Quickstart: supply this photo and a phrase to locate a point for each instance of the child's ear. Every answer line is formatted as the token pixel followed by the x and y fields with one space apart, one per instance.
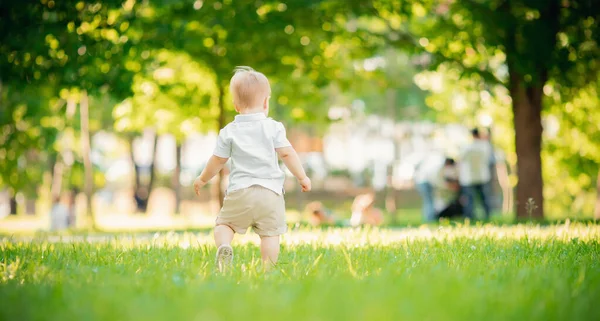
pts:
pixel 266 103
pixel 237 109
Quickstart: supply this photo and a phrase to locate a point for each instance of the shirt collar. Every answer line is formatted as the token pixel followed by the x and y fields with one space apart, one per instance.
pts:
pixel 250 117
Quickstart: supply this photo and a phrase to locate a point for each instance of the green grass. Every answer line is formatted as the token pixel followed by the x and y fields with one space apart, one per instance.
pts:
pixel 519 272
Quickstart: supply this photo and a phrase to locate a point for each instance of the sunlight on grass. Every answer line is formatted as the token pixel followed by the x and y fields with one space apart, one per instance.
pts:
pixel 521 272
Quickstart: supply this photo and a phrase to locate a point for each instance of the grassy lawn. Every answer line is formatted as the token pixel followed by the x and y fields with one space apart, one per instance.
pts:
pixel 521 272
pixel 117 223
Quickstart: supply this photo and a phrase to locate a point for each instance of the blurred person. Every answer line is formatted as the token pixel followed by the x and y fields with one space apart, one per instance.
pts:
pixel 364 211
pixel 474 173
pixel 447 194
pixel 255 193
pixel 436 179
pixel 319 214
pixel 423 173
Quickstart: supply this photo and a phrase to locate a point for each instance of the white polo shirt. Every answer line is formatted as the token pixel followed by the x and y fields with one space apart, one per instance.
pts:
pixel 430 170
pixel 250 142
pixel 474 164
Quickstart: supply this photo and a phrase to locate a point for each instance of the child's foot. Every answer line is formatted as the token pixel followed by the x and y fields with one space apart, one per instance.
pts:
pixel 224 257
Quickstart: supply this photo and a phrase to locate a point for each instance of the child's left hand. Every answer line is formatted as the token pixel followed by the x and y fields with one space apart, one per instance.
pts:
pixel 198 184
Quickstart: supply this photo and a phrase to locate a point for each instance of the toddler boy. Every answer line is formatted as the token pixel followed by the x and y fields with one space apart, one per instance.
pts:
pixel 255 193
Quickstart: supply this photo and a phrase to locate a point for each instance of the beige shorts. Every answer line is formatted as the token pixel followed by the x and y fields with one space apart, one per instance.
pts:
pixel 254 206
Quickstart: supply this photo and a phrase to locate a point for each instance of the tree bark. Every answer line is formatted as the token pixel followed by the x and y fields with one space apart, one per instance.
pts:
pixel 13 203
pixel 136 174
pixel 57 167
pixel 88 185
pixel 176 177
pixel 30 206
pixel 72 217
pixel 142 191
pixel 597 210
pixel 527 99
pixel 152 167
pixel 527 112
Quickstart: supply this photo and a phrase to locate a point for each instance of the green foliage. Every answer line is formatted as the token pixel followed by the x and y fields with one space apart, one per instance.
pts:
pixel 48 47
pixel 385 83
pixel 27 134
pixel 170 58
pixel 572 153
pixel 467 273
pixel 174 95
pixel 520 45
pixel 76 178
pixel 286 41
pixel 67 43
pixel 535 39
pixel 167 64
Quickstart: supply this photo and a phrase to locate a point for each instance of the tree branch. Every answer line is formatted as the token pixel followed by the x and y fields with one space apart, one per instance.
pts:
pixel 487 75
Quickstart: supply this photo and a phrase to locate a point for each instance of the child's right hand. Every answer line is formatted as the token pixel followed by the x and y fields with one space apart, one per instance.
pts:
pixel 306 184
pixel 198 184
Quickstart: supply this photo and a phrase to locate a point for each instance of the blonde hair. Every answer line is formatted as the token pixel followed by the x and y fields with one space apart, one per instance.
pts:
pixel 248 87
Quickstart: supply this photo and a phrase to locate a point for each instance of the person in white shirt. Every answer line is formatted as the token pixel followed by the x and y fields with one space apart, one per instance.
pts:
pixel 475 175
pixel 255 193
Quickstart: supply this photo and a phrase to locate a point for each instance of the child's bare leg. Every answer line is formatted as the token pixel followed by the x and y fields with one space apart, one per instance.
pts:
pixel 223 235
pixel 223 238
pixel 269 250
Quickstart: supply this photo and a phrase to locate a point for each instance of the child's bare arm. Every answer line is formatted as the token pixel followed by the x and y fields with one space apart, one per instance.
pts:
pixel 291 160
pixel 215 164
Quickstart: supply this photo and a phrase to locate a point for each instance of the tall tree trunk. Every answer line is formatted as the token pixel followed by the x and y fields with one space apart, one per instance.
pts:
pixel 72 216
pixel 57 167
pixel 176 177
pixel 221 124
pixel 88 185
pixel 527 112
pixel 527 104
pixel 13 203
pixel 141 190
pixel 30 206
pixel 152 167
pixel 597 211
pixel 62 168
pixel 136 175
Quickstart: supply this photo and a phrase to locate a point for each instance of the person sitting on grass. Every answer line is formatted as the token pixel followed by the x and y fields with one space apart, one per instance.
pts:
pixel 255 193
pixel 319 215
pixel 364 211
pixel 447 196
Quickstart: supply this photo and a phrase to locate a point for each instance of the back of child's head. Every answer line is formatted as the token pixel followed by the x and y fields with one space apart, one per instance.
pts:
pixel 249 88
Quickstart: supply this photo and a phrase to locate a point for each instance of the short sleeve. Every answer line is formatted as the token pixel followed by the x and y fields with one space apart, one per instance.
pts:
pixel 280 140
pixel 223 148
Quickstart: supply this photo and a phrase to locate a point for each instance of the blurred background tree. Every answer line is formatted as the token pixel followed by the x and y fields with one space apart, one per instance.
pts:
pixel 70 70
pixel 524 46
